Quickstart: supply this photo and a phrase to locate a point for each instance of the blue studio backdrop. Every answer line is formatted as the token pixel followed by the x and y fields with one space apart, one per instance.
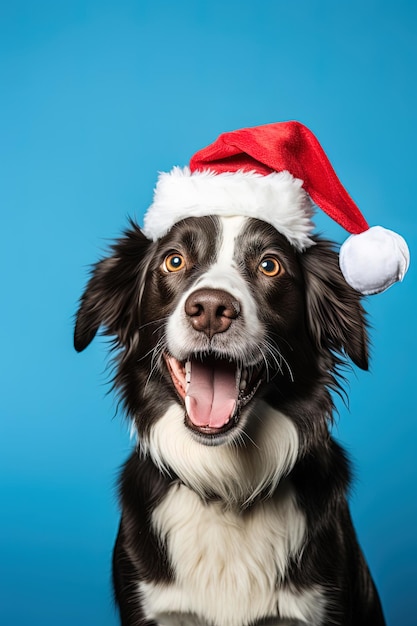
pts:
pixel 97 96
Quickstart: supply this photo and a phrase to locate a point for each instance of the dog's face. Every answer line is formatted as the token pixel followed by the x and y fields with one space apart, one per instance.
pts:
pixel 219 317
pixel 228 289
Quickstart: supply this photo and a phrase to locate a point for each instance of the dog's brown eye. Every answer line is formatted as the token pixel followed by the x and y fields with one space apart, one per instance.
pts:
pixel 174 262
pixel 270 266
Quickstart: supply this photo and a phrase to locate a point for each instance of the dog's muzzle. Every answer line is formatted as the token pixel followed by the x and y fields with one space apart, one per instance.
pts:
pixel 212 385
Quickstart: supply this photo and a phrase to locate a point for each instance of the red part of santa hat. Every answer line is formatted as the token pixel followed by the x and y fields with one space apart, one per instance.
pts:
pixel 274 172
pixel 286 146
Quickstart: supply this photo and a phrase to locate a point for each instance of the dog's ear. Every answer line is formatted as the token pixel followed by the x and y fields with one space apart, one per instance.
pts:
pixel 112 295
pixel 335 316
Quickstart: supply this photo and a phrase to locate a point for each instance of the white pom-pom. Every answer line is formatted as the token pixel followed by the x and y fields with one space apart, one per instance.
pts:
pixel 374 260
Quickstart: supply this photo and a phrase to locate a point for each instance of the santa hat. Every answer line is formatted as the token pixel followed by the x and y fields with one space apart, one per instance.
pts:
pixel 276 173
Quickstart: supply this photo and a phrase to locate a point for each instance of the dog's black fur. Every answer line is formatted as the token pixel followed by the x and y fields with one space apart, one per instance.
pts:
pixel 315 320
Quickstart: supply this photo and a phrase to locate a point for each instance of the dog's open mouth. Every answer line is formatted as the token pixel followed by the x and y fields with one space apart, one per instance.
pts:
pixel 214 390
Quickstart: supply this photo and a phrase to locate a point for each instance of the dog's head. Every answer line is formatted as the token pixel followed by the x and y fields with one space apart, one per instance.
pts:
pixel 217 320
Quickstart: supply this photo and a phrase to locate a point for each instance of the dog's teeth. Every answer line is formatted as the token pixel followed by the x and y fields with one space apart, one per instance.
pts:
pixel 243 380
pixel 188 372
pixel 187 369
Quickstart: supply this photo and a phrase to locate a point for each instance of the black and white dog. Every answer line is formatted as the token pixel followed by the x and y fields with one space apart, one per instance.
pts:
pixel 228 344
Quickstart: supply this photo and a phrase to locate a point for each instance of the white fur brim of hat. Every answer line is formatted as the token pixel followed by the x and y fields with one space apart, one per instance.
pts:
pixel 277 198
pixel 370 261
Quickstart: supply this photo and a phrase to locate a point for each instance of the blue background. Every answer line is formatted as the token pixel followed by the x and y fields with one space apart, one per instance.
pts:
pixel 96 97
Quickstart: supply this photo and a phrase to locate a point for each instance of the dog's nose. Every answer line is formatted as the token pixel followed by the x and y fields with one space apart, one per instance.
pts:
pixel 211 311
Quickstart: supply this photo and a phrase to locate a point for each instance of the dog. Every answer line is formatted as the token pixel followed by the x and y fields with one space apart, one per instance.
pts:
pixel 228 344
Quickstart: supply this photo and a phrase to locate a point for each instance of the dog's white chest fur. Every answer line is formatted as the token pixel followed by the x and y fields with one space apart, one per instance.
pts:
pixel 229 566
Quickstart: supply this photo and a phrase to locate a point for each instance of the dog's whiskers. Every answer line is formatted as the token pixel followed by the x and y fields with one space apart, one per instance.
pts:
pixel 153 348
pixel 274 346
pixel 159 321
pixel 273 359
pixel 157 355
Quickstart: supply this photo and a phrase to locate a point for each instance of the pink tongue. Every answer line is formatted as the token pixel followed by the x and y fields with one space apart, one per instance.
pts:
pixel 212 393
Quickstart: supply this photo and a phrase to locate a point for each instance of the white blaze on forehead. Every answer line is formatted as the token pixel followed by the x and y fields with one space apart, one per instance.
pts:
pixel 231 229
pixel 223 274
